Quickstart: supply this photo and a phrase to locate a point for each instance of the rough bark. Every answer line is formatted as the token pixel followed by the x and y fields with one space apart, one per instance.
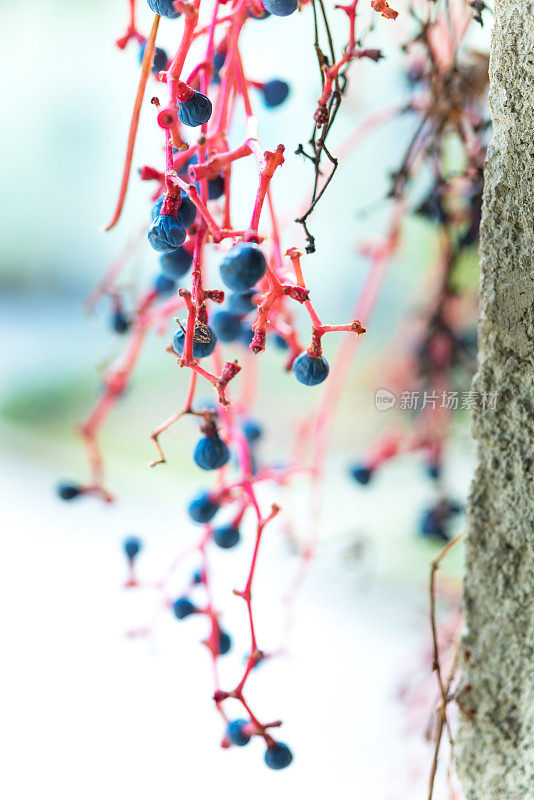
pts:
pixel 496 744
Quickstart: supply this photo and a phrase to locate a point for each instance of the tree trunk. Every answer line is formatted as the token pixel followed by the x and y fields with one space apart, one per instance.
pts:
pixel 496 740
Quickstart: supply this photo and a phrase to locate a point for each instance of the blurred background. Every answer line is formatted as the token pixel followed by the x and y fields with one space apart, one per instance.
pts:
pixel 88 710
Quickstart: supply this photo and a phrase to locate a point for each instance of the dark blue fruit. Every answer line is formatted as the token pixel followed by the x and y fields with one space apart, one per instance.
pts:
pixel 183 607
pixel 195 111
pixel 177 263
pixel 225 643
pixel 68 491
pixel 164 285
pixel 211 453
pixel 215 187
pixel 227 536
pixel 361 474
pixel 120 322
pixel 160 58
pixel 310 370
pixel 243 266
pixel 280 8
pixel 163 7
pixel 275 92
pixel 166 234
pixel 236 732
pixel 204 341
pixel 278 756
pixel 227 326
pixel 202 508
pixel 252 430
pixel 132 546
pixel 241 302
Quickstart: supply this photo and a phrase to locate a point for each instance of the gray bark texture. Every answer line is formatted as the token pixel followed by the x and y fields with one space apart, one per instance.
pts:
pixel 495 753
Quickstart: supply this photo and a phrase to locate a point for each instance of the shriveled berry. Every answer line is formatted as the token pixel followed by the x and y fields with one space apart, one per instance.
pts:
pixel 132 546
pixel 252 430
pixel 204 341
pixel 278 756
pixel 177 263
pixel 227 536
pixel 310 370
pixel 227 326
pixel 120 322
pixel 68 491
pixel 183 607
pixel 185 214
pixel 163 7
pixel 160 58
pixel 241 302
pixel 166 234
pixel 164 284
pixel 361 473
pixel 280 8
pixel 202 508
pixel 236 732
pixel 275 92
pixel 211 453
pixel 243 266
pixel 195 111
pixel 225 643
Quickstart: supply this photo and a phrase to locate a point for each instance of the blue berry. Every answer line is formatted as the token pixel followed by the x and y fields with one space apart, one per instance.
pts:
pixel 163 284
pixel 247 335
pixel 252 430
pixel 431 527
pixel 197 577
pixel 218 60
pixel 280 342
pixel 204 341
pixel 310 370
pixel 132 546
pixel 215 187
pixel 434 470
pixel 68 491
pixel 183 607
pixel 166 234
pixel 120 322
pixel 278 756
pixel 275 92
pixel 243 266
pixel 211 452
pixel 163 7
pixel 227 536
pixel 236 732
pixel 227 326
pixel 225 643
pixel 186 213
pixel 361 474
pixel 280 8
pixel 241 302
pixel 160 58
pixel 196 111
pixel 177 263
pixel 202 508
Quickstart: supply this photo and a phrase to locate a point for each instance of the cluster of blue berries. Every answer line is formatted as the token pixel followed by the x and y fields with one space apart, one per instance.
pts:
pixel 277 756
